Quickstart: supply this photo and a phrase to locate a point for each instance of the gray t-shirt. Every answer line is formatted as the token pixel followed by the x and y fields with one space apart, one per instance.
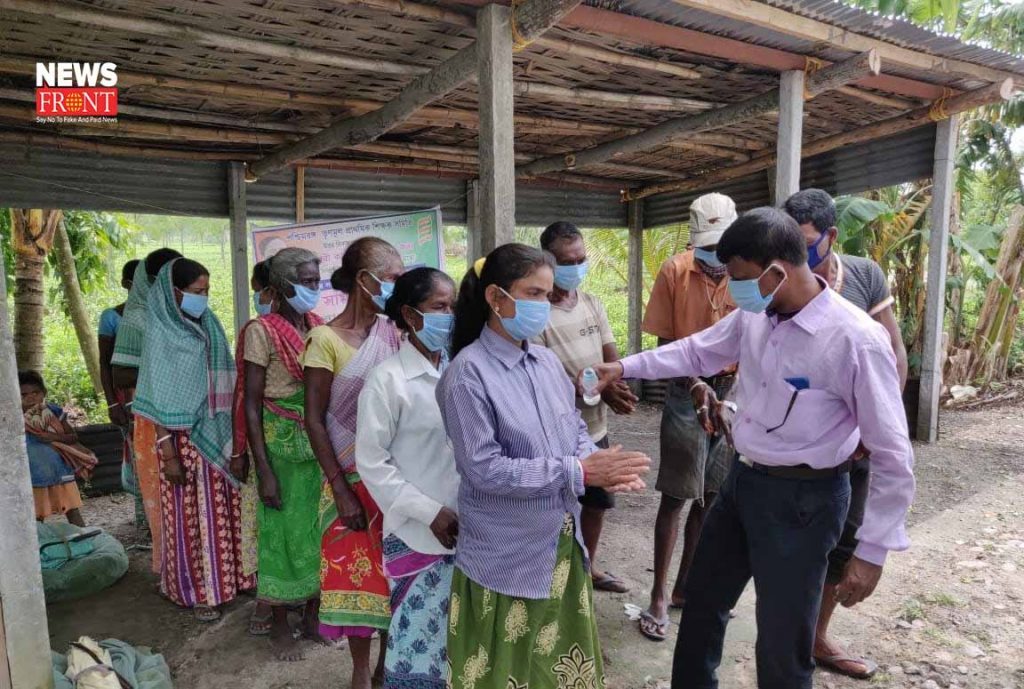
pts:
pixel 864 283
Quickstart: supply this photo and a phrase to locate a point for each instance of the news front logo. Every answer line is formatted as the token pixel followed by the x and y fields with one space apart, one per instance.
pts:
pixel 76 92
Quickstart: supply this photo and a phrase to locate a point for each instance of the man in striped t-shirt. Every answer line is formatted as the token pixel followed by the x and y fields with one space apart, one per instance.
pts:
pixel 579 335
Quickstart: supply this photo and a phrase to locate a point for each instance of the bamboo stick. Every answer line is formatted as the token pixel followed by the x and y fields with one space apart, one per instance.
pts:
pixel 531 19
pixel 965 101
pixel 819 82
pixel 578 48
pixel 533 89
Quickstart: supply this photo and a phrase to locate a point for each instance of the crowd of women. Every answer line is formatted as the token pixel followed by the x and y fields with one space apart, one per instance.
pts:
pixel 410 470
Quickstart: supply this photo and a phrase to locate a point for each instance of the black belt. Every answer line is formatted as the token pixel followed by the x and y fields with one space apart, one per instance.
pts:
pixel 800 471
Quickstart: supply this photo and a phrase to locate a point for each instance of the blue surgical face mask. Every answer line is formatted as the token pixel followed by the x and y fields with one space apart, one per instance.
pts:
pixel 708 258
pixel 530 320
pixel 194 304
pixel 386 290
pixel 436 332
pixel 747 293
pixel 570 277
pixel 260 308
pixel 305 299
pixel 813 259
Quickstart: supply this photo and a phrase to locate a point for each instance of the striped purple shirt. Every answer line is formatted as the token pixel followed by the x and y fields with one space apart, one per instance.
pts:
pixel 512 419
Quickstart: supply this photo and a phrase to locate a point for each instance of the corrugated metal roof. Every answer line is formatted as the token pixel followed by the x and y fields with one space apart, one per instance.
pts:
pixel 897 159
pixel 539 206
pixel 893 30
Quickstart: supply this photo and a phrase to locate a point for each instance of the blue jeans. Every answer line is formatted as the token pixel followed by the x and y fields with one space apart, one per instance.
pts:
pixel 778 531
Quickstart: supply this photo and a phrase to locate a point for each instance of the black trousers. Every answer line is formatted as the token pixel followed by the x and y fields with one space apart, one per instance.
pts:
pixel 778 531
pixel 860 482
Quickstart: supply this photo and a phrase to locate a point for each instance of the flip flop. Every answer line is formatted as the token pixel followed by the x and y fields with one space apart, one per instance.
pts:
pixel 259 625
pixel 834 664
pixel 206 614
pixel 656 630
pixel 610 582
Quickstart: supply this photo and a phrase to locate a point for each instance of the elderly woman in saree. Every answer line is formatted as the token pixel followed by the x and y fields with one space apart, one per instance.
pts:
pixel 287 473
pixel 521 609
pixel 354 595
pixel 124 372
pixel 185 388
pixel 404 458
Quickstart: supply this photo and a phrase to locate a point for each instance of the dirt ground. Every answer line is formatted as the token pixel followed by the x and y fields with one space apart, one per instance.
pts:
pixel 950 612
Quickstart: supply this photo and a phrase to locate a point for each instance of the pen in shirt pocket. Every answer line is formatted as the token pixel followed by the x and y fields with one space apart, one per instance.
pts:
pixel 798 383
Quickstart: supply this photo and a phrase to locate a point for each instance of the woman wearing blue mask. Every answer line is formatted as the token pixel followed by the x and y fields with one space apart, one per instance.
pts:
pixel 406 463
pixel 521 609
pixel 288 478
pixel 354 594
pixel 185 386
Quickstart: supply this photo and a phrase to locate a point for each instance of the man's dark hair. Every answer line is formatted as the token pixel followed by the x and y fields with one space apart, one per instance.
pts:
pixel 813 206
pixel 764 235
pixel 31 378
pixel 157 259
pixel 128 270
pixel 556 232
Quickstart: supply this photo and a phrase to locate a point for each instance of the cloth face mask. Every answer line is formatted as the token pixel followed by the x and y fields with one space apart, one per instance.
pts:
pixel 813 259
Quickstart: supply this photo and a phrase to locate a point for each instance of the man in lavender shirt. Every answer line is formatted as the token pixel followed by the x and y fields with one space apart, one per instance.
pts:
pixel 819 376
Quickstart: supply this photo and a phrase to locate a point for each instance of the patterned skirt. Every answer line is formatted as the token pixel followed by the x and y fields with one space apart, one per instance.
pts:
pixel 500 642
pixel 420 585
pixel 354 594
pixel 201 548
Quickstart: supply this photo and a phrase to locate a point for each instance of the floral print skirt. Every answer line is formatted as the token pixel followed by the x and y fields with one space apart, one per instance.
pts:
pixel 420 586
pixel 201 544
pixel 354 594
pixel 500 642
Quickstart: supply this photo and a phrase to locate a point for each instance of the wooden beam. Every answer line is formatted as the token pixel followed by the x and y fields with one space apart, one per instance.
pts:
pixel 647 32
pixel 531 19
pixel 793 24
pixel 239 236
pixel 878 99
pixel 117 21
pixel 574 47
pixel 300 194
pixel 659 135
pixel 969 100
pixel 943 184
pixel 497 177
pixel 635 274
pixel 709 149
pixel 581 96
pixel 790 138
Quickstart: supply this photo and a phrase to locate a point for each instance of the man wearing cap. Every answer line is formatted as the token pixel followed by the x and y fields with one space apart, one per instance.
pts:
pixel 862 282
pixel 690 294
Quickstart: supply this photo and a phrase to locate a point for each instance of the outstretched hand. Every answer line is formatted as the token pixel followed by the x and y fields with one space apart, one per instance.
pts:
pixel 606 375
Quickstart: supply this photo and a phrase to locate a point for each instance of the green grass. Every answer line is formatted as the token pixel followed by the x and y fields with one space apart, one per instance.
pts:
pixel 913 609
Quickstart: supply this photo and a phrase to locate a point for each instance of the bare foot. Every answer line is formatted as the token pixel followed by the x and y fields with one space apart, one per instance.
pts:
pixel 284 643
pixel 361 678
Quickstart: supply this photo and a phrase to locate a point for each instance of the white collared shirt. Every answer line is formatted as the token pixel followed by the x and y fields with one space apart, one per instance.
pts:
pixel 402 451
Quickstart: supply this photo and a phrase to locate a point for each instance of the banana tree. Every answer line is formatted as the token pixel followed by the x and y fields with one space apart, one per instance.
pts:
pixel 608 251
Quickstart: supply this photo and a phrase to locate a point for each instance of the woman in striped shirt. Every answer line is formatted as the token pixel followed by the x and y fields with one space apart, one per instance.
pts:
pixel 520 612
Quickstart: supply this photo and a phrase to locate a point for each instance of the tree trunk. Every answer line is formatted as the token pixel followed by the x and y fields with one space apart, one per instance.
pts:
pixel 31 238
pixel 956 294
pixel 76 306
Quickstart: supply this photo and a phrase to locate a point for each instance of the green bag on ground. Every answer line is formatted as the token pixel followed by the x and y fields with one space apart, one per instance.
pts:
pixel 142 668
pixel 78 562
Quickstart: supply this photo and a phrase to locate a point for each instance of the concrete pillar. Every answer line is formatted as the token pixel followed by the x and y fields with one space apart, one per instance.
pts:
pixel 790 140
pixel 474 249
pixel 497 188
pixel 635 289
pixel 935 298
pixel 24 636
pixel 239 244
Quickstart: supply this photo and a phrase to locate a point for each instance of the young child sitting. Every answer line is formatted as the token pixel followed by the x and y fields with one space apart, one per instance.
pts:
pixel 54 454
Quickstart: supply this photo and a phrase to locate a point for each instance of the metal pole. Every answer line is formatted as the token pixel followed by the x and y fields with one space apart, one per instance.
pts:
pixel 25 637
pixel 935 298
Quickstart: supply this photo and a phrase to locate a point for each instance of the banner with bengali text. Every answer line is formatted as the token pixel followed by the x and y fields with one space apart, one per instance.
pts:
pixel 417 237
